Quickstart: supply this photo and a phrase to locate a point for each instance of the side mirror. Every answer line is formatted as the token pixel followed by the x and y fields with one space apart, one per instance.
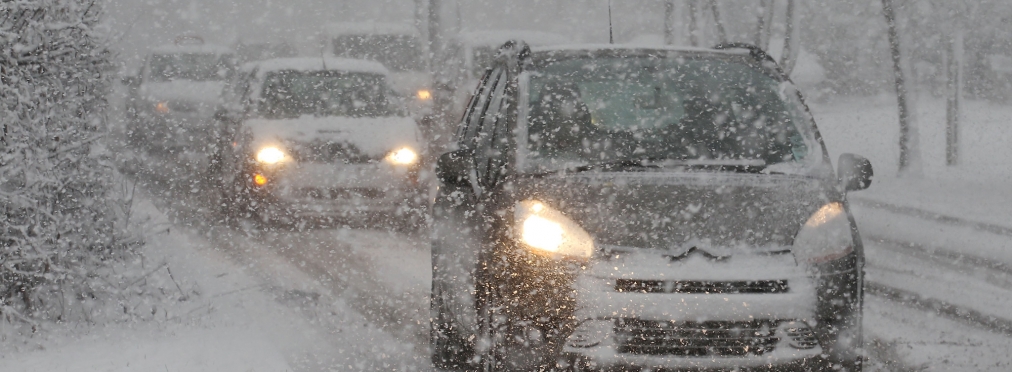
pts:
pixel 453 167
pixel 854 171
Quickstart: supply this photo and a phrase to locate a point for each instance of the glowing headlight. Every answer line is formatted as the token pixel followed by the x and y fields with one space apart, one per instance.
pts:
pixel 162 107
pixel 424 94
pixel 403 156
pixel 545 230
pixel 270 155
pixel 826 236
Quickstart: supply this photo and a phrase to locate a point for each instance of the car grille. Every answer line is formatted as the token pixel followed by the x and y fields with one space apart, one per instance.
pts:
pixel 330 152
pixel 694 286
pixel 339 193
pixel 709 338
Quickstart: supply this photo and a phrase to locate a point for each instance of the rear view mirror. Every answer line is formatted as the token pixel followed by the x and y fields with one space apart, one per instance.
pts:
pixel 854 171
pixel 453 168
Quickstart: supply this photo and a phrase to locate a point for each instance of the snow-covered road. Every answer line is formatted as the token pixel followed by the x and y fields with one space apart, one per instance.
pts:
pixel 929 305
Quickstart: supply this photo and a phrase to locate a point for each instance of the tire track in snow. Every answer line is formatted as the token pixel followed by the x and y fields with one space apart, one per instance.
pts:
pixel 952 311
pixel 346 274
pixel 932 216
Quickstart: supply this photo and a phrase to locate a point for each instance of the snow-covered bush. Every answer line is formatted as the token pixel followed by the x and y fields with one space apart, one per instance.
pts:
pixel 62 205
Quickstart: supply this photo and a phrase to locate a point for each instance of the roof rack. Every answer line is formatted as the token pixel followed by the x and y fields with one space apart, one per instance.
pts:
pixel 754 51
pixel 188 40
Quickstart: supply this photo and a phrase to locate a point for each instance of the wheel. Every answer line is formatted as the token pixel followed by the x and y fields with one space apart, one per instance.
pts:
pixel 448 352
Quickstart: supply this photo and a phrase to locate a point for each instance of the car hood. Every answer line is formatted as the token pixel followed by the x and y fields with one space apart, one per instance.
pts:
pixel 184 90
pixel 373 137
pixel 407 83
pixel 677 210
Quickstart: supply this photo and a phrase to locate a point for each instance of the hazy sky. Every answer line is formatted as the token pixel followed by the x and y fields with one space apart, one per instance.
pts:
pixel 140 24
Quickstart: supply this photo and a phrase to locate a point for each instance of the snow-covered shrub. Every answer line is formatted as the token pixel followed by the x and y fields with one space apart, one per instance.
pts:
pixel 62 208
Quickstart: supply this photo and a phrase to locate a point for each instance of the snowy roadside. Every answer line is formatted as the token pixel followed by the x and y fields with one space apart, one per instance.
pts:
pixel 939 253
pixel 231 319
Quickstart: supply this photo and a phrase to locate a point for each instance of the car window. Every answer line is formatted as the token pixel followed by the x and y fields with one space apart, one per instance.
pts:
pixel 290 94
pixel 589 110
pixel 188 66
pixel 396 52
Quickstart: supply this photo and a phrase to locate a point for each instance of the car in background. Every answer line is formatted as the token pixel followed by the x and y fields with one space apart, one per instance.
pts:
pixel 644 208
pixel 319 139
pixel 397 46
pixel 171 101
pixel 466 56
pixel 250 51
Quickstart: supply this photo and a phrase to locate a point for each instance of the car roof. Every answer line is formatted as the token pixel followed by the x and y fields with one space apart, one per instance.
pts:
pixel 496 38
pixel 372 28
pixel 191 49
pixel 637 48
pixel 316 64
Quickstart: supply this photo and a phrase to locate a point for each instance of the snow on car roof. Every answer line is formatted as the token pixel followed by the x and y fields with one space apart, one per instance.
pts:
pixel 317 64
pixel 498 37
pixel 191 49
pixel 358 28
pixel 673 48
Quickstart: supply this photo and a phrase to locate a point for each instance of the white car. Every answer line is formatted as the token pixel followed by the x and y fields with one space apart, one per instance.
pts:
pixel 172 100
pixel 315 138
pixel 397 46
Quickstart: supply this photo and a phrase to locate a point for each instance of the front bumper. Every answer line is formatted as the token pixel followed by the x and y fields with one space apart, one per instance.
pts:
pixel 687 329
pixel 339 190
pixel 597 344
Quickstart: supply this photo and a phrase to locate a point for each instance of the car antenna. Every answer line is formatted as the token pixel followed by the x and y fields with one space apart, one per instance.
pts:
pixel 611 36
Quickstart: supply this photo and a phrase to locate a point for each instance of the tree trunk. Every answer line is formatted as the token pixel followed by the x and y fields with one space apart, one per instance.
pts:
pixel 954 96
pixel 721 32
pixel 761 22
pixel 693 24
pixel 789 55
pixel 669 23
pixel 901 90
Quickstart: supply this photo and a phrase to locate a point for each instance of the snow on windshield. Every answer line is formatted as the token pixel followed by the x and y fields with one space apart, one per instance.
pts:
pixel 584 110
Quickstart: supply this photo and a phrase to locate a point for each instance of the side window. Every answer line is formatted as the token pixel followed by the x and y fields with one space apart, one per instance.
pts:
pixel 488 149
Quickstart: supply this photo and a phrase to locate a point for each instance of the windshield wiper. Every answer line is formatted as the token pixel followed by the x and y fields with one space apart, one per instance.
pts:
pixel 740 166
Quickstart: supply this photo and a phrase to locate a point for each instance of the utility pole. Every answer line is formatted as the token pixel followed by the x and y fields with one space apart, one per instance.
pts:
pixel 901 90
pixel 435 31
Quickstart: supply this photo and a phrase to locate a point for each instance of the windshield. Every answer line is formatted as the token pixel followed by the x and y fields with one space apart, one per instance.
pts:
pixel 587 111
pixel 290 94
pixel 396 52
pixel 193 66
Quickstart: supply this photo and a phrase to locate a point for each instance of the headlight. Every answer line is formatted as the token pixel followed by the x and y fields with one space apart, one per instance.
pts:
pixel 545 230
pixel 270 155
pixel 162 107
pixel 424 94
pixel 826 236
pixel 403 156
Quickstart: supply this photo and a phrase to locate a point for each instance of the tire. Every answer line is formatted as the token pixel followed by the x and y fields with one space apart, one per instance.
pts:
pixel 448 352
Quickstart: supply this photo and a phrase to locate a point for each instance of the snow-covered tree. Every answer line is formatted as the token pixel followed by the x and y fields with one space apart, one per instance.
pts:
pixel 61 219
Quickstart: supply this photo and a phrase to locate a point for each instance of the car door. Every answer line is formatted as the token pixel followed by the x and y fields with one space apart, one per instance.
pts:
pixel 458 228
